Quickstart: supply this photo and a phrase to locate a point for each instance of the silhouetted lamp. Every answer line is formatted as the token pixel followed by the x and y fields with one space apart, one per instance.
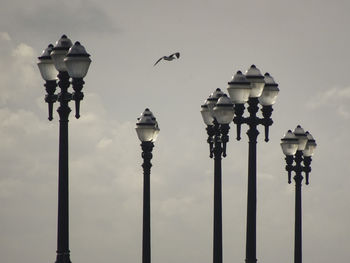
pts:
pixel 298 146
pixel 147 131
pixel 60 62
pixel 252 88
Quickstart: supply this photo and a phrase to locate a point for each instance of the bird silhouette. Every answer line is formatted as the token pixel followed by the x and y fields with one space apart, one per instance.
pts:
pixel 168 58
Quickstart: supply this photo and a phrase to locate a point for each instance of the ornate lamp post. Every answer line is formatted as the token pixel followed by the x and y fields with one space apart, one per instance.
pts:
pixel 298 146
pixel 71 61
pixel 254 89
pixel 147 130
pixel 217 114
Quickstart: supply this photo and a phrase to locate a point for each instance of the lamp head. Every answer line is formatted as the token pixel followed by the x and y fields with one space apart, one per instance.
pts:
pixel 46 66
pixel 206 115
pixel 213 98
pixel 223 110
pixel 257 83
pixel 302 137
pixel 310 145
pixel 289 143
pixel 147 128
pixel 239 88
pixel 270 91
pixel 60 51
pixel 77 61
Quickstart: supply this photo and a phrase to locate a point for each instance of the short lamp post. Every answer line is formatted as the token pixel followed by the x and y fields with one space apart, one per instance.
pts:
pixel 217 113
pixel 253 88
pixel 68 61
pixel 298 147
pixel 147 131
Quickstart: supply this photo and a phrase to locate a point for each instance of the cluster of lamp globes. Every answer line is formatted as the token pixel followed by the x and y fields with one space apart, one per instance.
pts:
pixel 147 128
pixel 220 107
pixel 64 56
pixel 298 146
pixel 298 140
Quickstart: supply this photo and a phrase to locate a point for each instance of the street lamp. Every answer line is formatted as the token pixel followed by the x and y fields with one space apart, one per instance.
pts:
pixel 69 61
pixel 217 113
pixel 147 131
pixel 298 147
pixel 253 88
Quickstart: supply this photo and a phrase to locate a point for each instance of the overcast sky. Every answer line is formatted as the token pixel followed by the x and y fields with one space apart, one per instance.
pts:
pixel 304 45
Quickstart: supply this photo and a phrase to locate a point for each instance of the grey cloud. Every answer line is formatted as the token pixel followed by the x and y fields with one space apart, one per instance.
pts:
pixel 336 98
pixel 18 59
pixel 46 18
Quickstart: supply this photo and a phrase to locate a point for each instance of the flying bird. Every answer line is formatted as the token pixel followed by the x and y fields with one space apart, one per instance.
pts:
pixel 168 58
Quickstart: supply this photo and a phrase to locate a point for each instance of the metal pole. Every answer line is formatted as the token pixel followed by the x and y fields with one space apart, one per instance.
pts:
pixel 146 228
pixel 298 215
pixel 63 253
pixel 217 235
pixel 252 182
pixel 251 206
pixel 298 225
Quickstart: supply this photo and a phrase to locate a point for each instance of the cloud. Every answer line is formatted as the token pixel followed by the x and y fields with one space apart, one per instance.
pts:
pixel 46 18
pixel 5 36
pixel 23 51
pixel 336 98
pixel 19 73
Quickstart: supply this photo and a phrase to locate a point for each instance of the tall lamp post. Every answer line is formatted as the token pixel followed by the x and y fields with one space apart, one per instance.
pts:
pixel 217 113
pixel 253 88
pixel 298 147
pixel 147 131
pixel 69 61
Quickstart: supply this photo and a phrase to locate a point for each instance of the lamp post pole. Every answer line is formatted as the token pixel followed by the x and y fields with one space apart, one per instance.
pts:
pixel 217 113
pixel 252 186
pixel 146 237
pixel 147 130
pixel 298 178
pixel 298 146
pixel 217 233
pixel 63 253
pixel 254 89
pixel 70 61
